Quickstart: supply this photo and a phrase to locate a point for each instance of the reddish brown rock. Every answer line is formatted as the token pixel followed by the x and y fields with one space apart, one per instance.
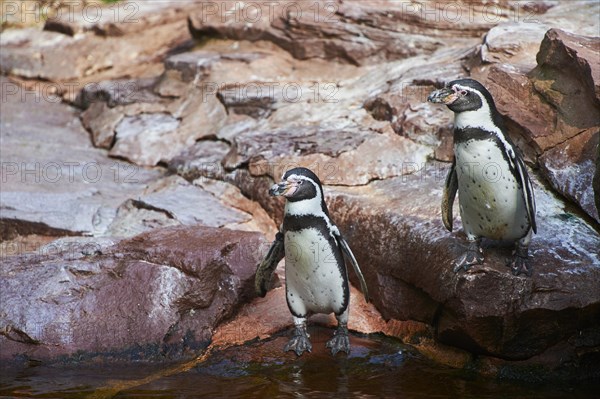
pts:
pixel 568 78
pixel 355 123
pixel 570 168
pixel 596 182
pixel 107 41
pixel 156 296
pixel 515 43
pixel 410 278
pixel 413 278
pixel 350 31
pixel 553 111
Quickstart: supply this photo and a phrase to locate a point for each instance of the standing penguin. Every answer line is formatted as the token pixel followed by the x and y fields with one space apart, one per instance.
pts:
pixel 494 191
pixel 315 273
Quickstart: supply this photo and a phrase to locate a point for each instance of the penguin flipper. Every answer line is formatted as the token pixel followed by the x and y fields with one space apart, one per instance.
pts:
pixel 343 244
pixel 266 268
pixel 450 189
pixel 525 182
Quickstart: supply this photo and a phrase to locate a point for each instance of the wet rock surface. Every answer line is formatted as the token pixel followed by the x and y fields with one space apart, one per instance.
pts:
pixel 519 320
pixel 156 296
pixel 179 123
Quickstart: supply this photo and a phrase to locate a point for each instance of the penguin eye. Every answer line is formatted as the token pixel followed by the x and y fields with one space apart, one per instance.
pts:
pixel 463 92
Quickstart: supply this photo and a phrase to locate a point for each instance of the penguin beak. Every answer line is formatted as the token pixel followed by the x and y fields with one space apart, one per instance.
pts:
pixel 445 96
pixel 285 188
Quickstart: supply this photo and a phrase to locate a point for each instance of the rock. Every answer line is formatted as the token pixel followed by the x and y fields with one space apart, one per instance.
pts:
pixel 247 99
pixel 333 155
pixel 540 111
pixel 426 124
pixel 156 296
pixel 349 31
pixel 413 278
pixel 116 19
pixel 568 78
pixel 570 169
pixel 189 204
pixel 117 92
pixel 134 217
pixel 404 101
pixel 515 43
pixel 76 45
pixel 195 66
pixel 54 182
pixel 231 196
pixel 141 138
pixel 146 120
pixel 101 121
pixel 596 182
pixel 174 201
pixel 203 159
pixel 579 17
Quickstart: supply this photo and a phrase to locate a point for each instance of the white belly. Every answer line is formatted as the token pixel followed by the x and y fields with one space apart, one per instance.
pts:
pixel 491 201
pixel 314 282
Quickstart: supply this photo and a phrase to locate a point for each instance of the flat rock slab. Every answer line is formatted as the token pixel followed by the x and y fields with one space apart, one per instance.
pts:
pixel 53 180
pixel 78 43
pixel 156 296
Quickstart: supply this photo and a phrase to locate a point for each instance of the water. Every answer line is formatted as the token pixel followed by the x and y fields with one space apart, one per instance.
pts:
pixel 378 367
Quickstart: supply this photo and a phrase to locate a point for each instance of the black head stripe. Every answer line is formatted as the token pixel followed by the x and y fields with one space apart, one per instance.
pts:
pixel 307 190
pixel 475 85
pixel 302 172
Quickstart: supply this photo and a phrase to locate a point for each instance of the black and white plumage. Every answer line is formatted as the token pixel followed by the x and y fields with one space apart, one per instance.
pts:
pixel 494 190
pixel 315 272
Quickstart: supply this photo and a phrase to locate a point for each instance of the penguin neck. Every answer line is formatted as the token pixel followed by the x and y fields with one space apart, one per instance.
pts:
pixel 307 207
pixel 483 118
pixel 480 118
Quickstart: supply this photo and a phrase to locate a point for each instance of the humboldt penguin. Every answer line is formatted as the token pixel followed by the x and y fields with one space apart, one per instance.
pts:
pixel 495 194
pixel 316 278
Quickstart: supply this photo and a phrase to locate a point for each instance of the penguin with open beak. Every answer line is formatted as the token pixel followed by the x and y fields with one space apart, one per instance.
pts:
pixel 316 277
pixel 495 194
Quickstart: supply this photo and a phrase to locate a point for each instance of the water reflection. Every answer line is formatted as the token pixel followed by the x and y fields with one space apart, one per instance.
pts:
pixel 377 367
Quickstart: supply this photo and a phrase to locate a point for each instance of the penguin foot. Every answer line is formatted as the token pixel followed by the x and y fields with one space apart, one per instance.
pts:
pixel 299 342
pixel 520 263
pixel 472 256
pixel 340 340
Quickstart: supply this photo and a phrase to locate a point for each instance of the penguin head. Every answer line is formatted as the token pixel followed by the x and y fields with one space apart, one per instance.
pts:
pixel 300 185
pixel 463 95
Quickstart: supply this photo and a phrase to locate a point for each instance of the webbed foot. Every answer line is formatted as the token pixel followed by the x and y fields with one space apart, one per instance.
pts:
pixel 299 343
pixel 472 256
pixel 340 340
pixel 520 262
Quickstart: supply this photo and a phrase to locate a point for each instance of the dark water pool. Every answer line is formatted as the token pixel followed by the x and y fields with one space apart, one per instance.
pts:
pixel 378 367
